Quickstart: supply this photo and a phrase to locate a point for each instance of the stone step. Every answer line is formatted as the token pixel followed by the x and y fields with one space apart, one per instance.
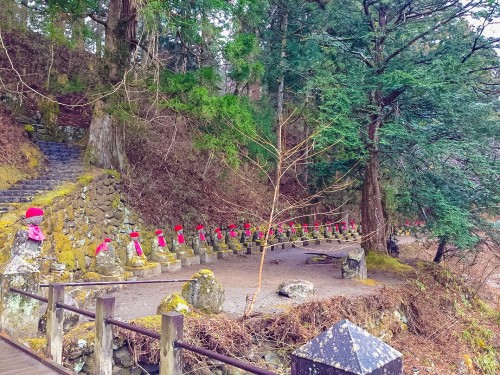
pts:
pixel 18 193
pixel 15 199
pixel 39 182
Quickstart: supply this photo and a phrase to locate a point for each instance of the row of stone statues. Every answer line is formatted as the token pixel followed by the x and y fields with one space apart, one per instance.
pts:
pixel 170 255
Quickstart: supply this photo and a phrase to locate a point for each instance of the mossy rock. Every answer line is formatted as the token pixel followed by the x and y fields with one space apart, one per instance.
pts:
pixel 173 302
pixel 91 276
pixel 205 292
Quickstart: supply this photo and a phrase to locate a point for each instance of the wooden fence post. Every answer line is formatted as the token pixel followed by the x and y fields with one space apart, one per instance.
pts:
pixel 170 356
pixel 103 348
pixel 55 320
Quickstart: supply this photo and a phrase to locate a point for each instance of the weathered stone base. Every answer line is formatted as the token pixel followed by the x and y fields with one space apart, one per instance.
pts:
pixel 224 254
pixel 253 250
pixel 188 261
pixel 208 257
pixel 172 266
pixel 240 251
pixel 317 242
pixel 305 243
pixel 149 269
pixel 329 240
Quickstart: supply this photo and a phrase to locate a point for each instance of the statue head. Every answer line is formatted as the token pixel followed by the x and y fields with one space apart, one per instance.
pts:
pixel 178 229
pixel 34 216
pixel 134 236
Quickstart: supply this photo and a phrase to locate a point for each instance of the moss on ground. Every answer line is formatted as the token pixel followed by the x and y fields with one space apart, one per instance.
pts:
pixel 383 262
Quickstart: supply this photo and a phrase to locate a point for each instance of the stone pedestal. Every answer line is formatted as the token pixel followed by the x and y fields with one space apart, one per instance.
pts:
pixel 354 265
pixel 224 254
pixel 19 314
pixel 148 269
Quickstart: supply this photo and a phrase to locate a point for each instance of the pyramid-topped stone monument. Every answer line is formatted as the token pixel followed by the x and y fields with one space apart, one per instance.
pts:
pixel 346 349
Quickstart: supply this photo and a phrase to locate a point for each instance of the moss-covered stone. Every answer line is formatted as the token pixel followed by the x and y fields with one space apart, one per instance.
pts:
pixel 204 292
pixel 173 302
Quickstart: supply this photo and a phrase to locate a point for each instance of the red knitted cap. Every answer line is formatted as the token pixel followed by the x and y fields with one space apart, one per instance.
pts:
pixel 201 226
pixel 231 226
pixel 134 234
pixel 217 229
pixel 246 225
pixel 34 211
pixel 159 231
pixel 178 228
pixel 107 240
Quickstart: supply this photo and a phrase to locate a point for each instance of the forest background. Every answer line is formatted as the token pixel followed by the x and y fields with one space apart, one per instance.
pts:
pixel 377 111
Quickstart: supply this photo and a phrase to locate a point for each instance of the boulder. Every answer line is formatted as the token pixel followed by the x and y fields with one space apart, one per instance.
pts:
pixel 71 319
pixel 204 292
pixel 173 302
pixel 296 288
pixel 354 265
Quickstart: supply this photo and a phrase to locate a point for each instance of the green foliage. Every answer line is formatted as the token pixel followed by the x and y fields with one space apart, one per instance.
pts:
pixel 227 121
pixel 479 338
pixel 243 54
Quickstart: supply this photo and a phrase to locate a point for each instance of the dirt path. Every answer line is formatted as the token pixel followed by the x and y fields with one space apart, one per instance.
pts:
pixel 238 275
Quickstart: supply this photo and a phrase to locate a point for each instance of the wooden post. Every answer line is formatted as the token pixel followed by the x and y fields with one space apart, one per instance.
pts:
pixel 55 320
pixel 103 349
pixel 170 356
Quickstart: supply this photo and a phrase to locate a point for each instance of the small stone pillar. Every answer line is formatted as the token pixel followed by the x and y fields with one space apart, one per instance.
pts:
pixel 354 265
pixel 346 349
pixel 18 313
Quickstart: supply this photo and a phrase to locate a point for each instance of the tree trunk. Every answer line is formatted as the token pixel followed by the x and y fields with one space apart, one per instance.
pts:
pixel 107 135
pixel 106 141
pixel 281 80
pixel 440 251
pixel 372 219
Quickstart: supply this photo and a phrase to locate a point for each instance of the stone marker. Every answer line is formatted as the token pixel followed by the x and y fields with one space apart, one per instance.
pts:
pixel 296 288
pixel 205 292
pixel 346 349
pixel 354 265
pixel 219 244
pixel 18 313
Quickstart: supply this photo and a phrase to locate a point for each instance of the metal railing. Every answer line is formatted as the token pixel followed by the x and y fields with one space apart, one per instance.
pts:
pixel 171 336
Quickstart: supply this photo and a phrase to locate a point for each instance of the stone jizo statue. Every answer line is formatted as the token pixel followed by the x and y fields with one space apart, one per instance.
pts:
pixel 106 260
pixel 159 250
pixel 135 255
pixel 28 240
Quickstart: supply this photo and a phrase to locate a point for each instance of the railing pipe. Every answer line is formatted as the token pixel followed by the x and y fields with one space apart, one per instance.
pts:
pixel 130 327
pixel 222 358
pixel 88 314
pixel 28 294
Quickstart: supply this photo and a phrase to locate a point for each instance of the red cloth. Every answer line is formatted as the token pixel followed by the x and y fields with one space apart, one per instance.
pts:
pixel 34 211
pixel 232 233
pixel 161 241
pixel 35 233
pixel 336 227
pixel 202 237
pixel 219 235
pixel 138 248
pixel 180 238
pixel 248 233
pixel 102 247
pixel 261 234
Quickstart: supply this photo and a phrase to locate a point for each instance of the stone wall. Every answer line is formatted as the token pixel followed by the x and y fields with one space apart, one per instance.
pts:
pixel 76 222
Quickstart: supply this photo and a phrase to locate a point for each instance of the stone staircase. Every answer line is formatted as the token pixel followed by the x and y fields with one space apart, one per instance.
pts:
pixel 63 163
